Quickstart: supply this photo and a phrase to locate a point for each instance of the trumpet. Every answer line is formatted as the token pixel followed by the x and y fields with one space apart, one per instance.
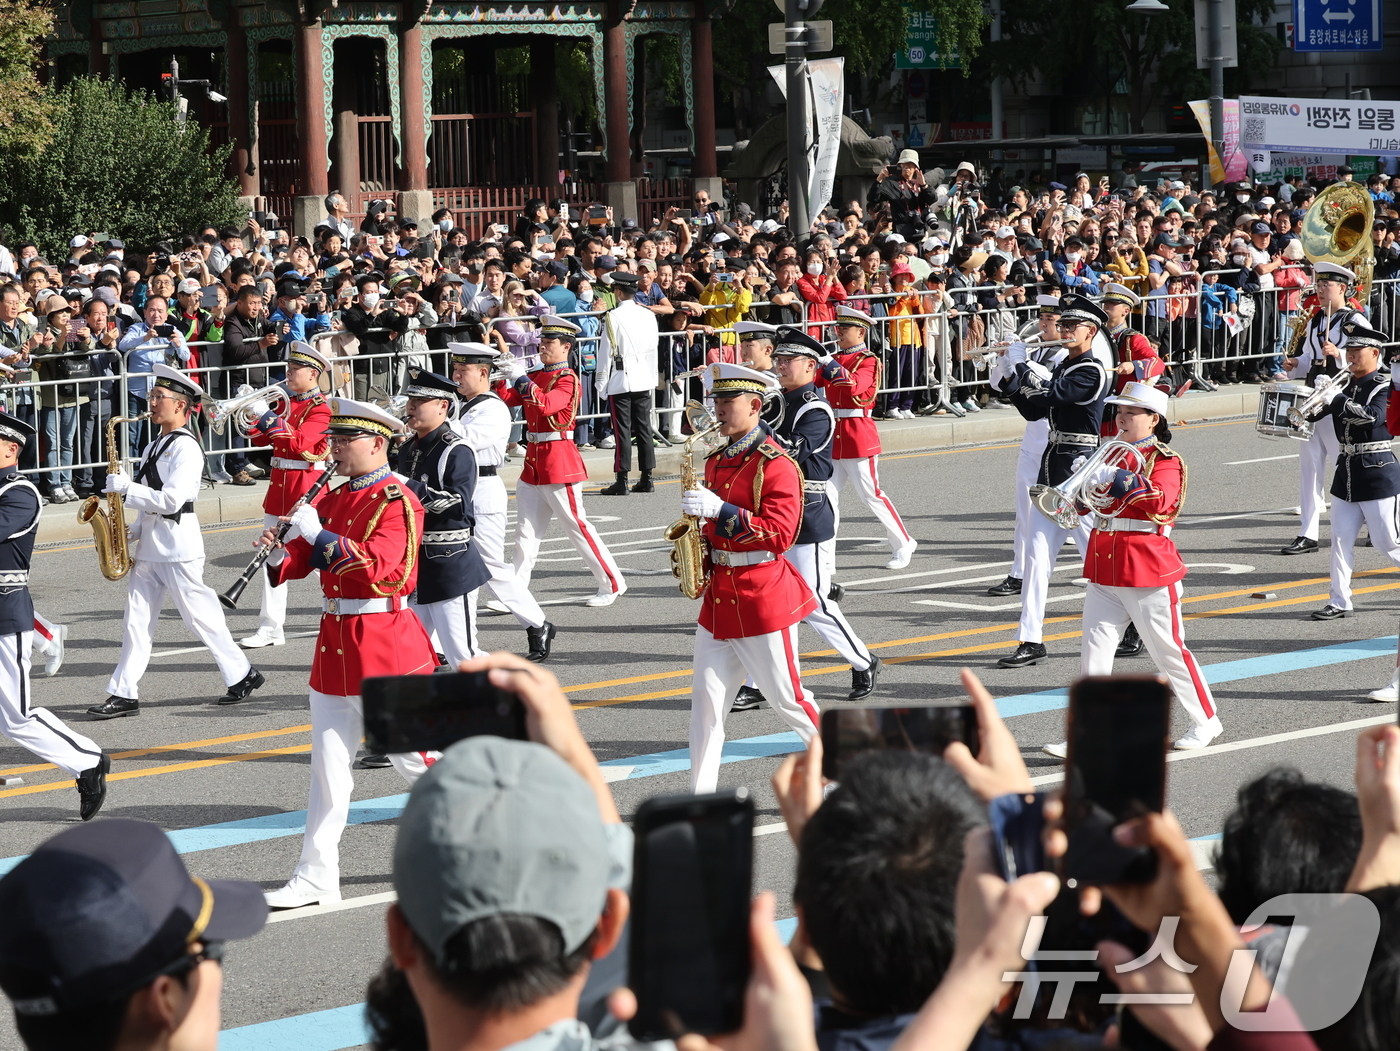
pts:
pixel 984 357
pixel 1060 503
pixel 246 407
pixel 1324 391
pixel 499 372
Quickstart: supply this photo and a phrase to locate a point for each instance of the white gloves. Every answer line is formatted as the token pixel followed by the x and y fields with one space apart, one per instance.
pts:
pixel 515 368
pixel 260 408
pixel 117 483
pixel 1078 462
pixel 305 522
pixel 701 503
pixel 1103 475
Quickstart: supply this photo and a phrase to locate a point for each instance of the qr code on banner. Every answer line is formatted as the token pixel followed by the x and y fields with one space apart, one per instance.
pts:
pixel 1254 129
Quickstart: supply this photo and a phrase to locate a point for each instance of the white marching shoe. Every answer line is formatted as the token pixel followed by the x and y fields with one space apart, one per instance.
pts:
pixel 260 638
pixel 603 598
pixel 53 650
pixel 902 556
pixel 297 894
pixel 1387 694
pixel 1200 736
pixel 1060 749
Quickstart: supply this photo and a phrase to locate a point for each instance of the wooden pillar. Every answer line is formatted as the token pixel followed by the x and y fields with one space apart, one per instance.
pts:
pixel 312 182
pixel 99 62
pixel 242 160
pixel 345 121
pixel 544 100
pixel 619 166
pixel 706 165
pixel 413 172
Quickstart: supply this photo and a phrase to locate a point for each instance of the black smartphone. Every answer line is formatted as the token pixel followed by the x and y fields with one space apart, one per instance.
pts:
pixel 1116 770
pixel 930 727
pixel 685 213
pixel 1018 825
pixel 692 876
pixel 165 331
pixel 428 713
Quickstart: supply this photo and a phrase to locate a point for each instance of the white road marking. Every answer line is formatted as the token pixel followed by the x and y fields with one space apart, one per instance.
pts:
pixel 992 609
pixel 1262 459
pixel 203 649
pixel 1183 523
pixel 1229 569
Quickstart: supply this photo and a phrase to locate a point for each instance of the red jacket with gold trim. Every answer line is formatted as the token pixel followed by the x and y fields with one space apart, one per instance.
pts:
pixel 1141 559
pixel 850 382
pixel 301 435
pixel 549 396
pixel 762 492
pixel 367 549
pixel 1130 345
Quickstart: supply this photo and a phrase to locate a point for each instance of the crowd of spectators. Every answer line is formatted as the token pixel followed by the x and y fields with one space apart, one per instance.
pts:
pixel 513 867
pixel 946 266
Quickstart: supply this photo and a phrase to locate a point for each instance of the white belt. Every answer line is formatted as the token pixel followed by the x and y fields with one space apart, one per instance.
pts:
pixel 354 607
pixel 14 576
pixel 1067 438
pixel 448 536
pixel 741 558
pixel 549 436
pixel 1129 525
pixel 1365 447
pixel 847 414
pixel 281 464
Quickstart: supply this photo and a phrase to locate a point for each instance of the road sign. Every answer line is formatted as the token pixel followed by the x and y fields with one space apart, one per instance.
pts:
pixel 1337 25
pixel 1229 36
pixel 819 38
pixel 806 12
pixel 916 87
pixel 921 44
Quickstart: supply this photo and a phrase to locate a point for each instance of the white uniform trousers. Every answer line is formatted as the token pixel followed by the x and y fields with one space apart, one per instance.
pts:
pixel 146 588
pixel 1316 460
pixel 336 728
pixel 37 729
pixel 535 505
pixel 452 624
pixel 864 474
pixel 1027 474
pixel 1380 518
pixel 1042 546
pixel 489 538
pixel 272 615
pixel 1156 612
pixel 827 619
pixel 720 668
pixel 42 636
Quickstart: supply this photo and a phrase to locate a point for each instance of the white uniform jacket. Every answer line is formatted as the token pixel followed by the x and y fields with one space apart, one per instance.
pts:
pixel 179 463
pixel 630 334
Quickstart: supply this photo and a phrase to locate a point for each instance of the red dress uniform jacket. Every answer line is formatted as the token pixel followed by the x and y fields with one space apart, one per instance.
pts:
pixel 850 382
pixel 1148 367
pixel 367 549
pixel 549 396
pixel 1142 560
pixel 300 436
pixel 762 492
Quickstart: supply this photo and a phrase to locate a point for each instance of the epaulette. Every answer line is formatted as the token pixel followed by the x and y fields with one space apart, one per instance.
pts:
pixel 1166 450
pixel 392 491
pixel 771 452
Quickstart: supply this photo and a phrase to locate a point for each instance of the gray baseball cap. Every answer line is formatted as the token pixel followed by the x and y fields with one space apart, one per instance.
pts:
pixel 496 827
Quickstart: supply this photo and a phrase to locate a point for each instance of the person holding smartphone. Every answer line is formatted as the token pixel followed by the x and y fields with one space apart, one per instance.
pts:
pixel 1134 568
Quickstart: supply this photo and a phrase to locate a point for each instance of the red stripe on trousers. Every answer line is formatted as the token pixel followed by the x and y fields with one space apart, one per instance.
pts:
pixel 587 535
pixel 617 436
pixel 1202 694
pixel 795 677
pixel 40 629
pixel 875 481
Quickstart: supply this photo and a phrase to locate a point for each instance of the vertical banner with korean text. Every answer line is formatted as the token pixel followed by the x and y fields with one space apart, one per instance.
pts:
pixel 826 88
pixel 1233 166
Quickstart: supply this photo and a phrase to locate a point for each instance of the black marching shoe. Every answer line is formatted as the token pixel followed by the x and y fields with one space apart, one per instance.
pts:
pixel 540 639
pixel 835 593
pixel 240 690
pixel 748 699
pixel 1330 612
pixel 1300 544
pixel 371 761
pixel 1026 653
pixel 92 788
pixel 115 707
pixel 1131 644
pixel 618 488
pixel 644 484
pixel 1009 586
pixel 863 682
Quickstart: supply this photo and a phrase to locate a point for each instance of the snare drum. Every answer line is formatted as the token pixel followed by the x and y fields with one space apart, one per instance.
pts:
pixel 1275 399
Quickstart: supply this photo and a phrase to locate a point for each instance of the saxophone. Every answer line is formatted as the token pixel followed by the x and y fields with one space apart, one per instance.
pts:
pixel 690 552
pixel 109 523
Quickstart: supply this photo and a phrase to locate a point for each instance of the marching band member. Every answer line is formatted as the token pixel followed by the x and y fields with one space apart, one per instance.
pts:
pixel 441 470
pixel 1135 570
pixel 751 501
pixel 1320 355
pixel 1134 360
pixel 551 483
pixel 850 388
pixel 363 538
pixel 756 344
pixel 169 551
pixel 299 450
pixel 1072 397
pixel 484 422
pixel 36 729
pixel 1367 478
pixel 1035 437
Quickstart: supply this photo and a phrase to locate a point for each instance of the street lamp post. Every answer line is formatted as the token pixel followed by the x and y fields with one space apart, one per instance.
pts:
pixel 1215 44
pixel 798 120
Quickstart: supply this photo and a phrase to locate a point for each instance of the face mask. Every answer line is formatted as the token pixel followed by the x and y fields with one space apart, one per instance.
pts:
pixel 445 225
pixel 1238 260
pixel 1243 198
pixel 814 269
pixel 369 300
pixel 585 297
pixel 939 258
pixel 1073 257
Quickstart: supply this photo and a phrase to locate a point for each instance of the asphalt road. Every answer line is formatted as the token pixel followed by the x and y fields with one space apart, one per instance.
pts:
pixel 186 764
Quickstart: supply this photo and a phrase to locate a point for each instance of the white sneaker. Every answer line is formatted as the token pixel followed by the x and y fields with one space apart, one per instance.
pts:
pixel 1387 694
pixel 902 556
pixel 908 414
pixel 260 638
pixel 603 598
pixel 297 894
pixel 971 405
pixel 998 404
pixel 53 650
pixel 255 471
pixel 221 476
pixel 1060 749
pixel 606 443
pixel 1200 736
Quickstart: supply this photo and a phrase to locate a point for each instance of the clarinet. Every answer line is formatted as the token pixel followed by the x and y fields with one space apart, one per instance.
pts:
pixel 230 597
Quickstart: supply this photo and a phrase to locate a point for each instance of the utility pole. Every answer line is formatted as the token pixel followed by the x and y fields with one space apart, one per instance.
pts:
pixel 997 132
pixel 798 117
pixel 1215 59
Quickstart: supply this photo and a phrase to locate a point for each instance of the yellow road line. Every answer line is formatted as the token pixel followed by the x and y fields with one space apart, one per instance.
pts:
pixel 173 768
pixel 180 746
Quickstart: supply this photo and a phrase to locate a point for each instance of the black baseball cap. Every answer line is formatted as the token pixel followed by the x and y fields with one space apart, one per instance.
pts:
pixel 101 910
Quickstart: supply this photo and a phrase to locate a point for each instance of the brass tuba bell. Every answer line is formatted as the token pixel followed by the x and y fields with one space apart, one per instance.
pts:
pixel 1337 229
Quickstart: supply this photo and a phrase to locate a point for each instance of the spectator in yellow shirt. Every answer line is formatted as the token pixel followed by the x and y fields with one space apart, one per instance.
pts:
pixel 726 299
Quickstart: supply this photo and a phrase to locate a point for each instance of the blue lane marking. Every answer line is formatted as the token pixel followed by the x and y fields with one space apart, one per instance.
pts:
pixel 386 808
pixel 331 1030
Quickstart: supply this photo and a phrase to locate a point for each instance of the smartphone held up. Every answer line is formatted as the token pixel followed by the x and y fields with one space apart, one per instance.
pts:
pixel 430 713
pixel 928 727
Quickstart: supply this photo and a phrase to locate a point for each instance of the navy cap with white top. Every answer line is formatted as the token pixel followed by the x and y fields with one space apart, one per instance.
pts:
pixel 1359 333
pixel 424 384
pixel 1074 307
pixel 794 343
pixel 14 429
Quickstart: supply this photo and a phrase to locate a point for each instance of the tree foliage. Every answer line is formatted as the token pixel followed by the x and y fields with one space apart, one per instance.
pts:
pixel 117 162
pixel 25 112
